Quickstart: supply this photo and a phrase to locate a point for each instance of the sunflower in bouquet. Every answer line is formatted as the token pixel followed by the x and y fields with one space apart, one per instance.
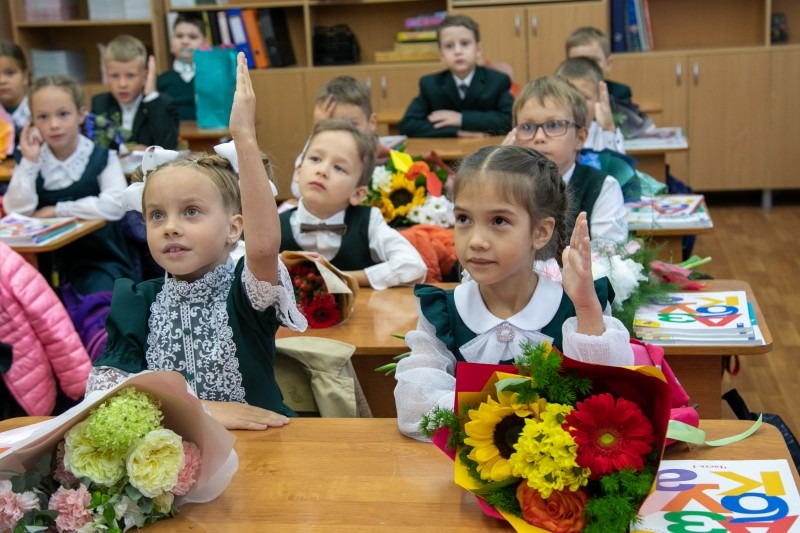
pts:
pixel 410 191
pixel 552 444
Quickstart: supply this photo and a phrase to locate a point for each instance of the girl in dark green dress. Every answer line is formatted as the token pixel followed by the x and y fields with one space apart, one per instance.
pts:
pixel 511 208
pixel 209 319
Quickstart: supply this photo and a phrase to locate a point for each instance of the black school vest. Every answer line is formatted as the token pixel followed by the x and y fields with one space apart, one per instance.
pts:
pixel 584 188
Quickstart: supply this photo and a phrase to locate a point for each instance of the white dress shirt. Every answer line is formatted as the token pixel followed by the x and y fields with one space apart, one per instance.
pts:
pixel 398 262
pixel 186 70
pixel 607 219
pixel 466 81
pixel 22 198
pixel 22 114
pixel 426 378
pixel 600 139
pixel 129 110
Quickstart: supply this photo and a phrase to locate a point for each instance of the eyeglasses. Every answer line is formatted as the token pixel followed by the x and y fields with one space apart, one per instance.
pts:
pixel 552 128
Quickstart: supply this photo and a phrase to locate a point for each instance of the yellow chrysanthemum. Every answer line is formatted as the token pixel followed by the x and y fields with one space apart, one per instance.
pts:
pixel 546 454
pixel 492 431
pixel 401 198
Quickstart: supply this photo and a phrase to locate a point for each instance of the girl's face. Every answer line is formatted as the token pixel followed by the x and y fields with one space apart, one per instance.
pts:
pixel 189 230
pixel 563 149
pixel 186 38
pixel 13 83
pixel 58 119
pixel 493 236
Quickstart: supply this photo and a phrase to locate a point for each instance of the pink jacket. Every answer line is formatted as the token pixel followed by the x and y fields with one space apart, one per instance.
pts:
pixel 34 322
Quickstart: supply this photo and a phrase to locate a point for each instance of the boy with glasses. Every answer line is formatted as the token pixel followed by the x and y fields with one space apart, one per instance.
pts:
pixel 550 116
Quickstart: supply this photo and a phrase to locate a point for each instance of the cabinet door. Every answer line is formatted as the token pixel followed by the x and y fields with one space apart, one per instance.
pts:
pixel 729 120
pixel 784 130
pixel 283 116
pixel 394 87
pixel 549 27
pixel 504 38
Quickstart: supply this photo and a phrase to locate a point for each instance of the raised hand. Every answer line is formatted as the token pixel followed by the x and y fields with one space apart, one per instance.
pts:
pixel 578 281
pixel 511 138
pixel 602 108
pixel 150 81
pixel 30 143
pixel 235 415
pixel 324 109
pixel 243 113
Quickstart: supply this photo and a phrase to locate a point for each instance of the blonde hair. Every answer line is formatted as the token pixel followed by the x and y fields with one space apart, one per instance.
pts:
pixel 580 68
pixel 347 90
pixel 64 83
pixel 366 144
pixel 125 48
pixel 560 92
pixel 588 35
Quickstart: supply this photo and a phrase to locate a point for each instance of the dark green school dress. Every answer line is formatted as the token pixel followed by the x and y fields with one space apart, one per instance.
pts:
pixel 92 263
pixel 182 93
pixel 354 253
pixel 207 330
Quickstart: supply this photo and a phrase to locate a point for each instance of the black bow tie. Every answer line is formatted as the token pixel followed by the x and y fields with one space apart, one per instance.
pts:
pixel 339 229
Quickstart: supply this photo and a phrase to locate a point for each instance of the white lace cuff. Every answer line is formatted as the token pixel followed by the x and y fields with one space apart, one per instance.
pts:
pixel 263 294
pixel 104 377
pixel 612 348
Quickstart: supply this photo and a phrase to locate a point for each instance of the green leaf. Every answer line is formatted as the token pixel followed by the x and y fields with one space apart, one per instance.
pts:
pixel 399 336
pixel 132 492
pixel 510 382
pixel 109 514
pixel 496 485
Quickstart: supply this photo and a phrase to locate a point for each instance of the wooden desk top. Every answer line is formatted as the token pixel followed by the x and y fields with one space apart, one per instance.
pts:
pixel 450 148
pixel 379 314
pixel 342 474
pixel 84 228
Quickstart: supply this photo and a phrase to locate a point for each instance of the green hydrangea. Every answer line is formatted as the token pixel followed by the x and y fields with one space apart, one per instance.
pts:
pixel 122 420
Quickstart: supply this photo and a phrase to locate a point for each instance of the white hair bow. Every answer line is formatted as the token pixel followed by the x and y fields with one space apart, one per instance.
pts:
pixel 154 156
pixel 228 151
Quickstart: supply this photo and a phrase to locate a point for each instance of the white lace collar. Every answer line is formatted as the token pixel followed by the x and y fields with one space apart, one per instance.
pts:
pixel 74 165
pixel 533 317
pixel 211 283
pixel 305 216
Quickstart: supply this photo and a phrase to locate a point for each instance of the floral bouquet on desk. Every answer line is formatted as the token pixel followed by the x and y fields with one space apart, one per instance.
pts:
pixel 324 294
pixel 121 458
pixel 552 444
pixel 106 131
pixel 410 191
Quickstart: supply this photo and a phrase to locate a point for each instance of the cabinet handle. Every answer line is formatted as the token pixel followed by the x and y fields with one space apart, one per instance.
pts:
pixel 383 86
pixel 678 74
pixel 517 24
pixel 696 73
pixel 368 83
pixel 534 24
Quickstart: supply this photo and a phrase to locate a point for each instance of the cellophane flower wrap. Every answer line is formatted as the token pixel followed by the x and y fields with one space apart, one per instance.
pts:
pixel 324 294
pixel 553 444
pixel 122 458
pixel 411 191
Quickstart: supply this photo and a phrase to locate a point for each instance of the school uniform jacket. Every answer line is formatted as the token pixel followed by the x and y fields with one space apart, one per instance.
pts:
pixel 181 91
pixel 156 122
pixel 485 108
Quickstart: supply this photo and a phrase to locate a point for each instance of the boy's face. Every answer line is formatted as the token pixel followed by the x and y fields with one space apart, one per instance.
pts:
pixel 356 116
pixel 562 149
pixel 126 79
pixel 328 176
pixel 13 82
pixel 589 91
pixel 186 38
pixel 459 50
pixel 594 52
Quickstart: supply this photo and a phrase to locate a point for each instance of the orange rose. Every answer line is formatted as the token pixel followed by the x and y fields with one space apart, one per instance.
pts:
pixel 562 512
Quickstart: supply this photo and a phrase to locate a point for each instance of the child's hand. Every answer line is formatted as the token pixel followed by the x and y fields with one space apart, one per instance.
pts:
pixel 324 109
pixel 235 415
pixel 243 113
pixel 30 143
pixel 578 281
pixel 150 82
pixel 602 109
pixel 444 118
pixel 511 138
pixel 48 211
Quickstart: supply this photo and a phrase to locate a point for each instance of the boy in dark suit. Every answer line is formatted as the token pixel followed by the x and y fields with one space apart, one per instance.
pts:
pixel 152 118
pixel 465 100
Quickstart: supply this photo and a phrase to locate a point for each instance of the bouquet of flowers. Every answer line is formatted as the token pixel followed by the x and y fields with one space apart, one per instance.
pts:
pixel 324 294
pixel 409 191
pixel 106 131
pixel 122 458
pixel 552 444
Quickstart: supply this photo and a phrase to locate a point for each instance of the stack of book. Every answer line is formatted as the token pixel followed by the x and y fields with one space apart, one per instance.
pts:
pixel 71 63
pixel 50 10
pixel 18 230
pixel 669 211
pixel 699 318
pixel 119 9
pixel 666 138
pixel 417 42
pixel 631 30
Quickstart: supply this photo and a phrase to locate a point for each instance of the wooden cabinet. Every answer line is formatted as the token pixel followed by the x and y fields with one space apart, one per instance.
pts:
pixel 784 124
pixel 531 38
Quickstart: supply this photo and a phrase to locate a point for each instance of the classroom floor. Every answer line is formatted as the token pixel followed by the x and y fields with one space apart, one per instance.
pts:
pixel 761 247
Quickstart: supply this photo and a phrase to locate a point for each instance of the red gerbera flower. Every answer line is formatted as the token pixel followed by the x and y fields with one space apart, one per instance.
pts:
pixel 610 435
pixel 322 312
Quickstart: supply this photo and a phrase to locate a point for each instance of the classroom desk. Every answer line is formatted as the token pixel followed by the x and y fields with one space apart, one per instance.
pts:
pixel 85 227
pixel 450 148
pixel 379 314
pixel 201 139
pixel 671 240
pixel 344 475
pixel 651 154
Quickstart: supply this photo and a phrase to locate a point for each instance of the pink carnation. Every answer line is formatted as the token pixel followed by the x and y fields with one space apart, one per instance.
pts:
pixel 187 476
pixel 71 506
pixel 13 506
pixel 61 474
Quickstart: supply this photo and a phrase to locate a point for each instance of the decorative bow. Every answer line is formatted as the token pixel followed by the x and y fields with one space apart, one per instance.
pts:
pixel 228 151
pixel 339 229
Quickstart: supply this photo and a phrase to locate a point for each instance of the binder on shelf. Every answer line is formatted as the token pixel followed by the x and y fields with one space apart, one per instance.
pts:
pixel 632 33
pixel 224 30
pixel 618 41
pixel 254 38
pixel 275 31
pixel 239 35
pixel 213 25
